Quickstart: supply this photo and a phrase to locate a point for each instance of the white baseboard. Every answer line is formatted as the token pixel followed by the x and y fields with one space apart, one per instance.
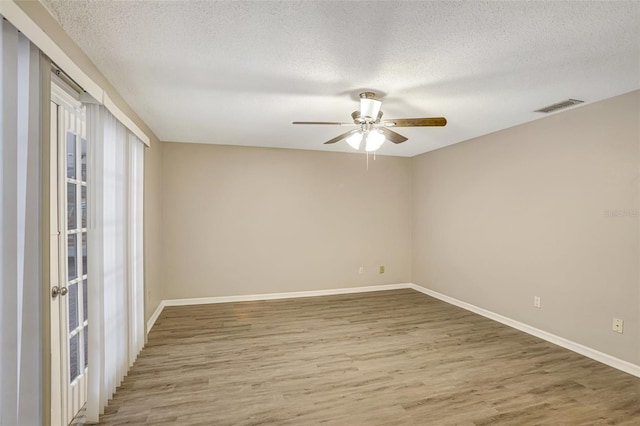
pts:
pixel 155 316
pixel 288 295
pixel 596 355
pixel 269 296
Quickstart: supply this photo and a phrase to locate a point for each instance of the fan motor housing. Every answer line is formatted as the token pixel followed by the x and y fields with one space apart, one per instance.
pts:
pixel 358 119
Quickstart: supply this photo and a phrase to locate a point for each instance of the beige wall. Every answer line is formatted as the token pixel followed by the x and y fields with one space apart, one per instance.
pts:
pixel 523 213
pixel 240 220
pixel 152 228
pixel 493 221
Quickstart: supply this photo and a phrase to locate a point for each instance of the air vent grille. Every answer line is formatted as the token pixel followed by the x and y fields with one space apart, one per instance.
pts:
pixel 559 105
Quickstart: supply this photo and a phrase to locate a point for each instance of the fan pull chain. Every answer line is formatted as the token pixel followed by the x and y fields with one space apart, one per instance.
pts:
pixel 374 158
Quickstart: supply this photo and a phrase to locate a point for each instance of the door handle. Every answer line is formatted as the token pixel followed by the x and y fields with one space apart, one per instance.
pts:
pixel 55 291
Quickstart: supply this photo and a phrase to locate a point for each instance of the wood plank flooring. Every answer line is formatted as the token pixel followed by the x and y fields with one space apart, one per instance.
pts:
pixel 385 358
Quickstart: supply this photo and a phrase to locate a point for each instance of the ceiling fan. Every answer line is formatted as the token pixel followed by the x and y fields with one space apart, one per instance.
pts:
pixel 370 126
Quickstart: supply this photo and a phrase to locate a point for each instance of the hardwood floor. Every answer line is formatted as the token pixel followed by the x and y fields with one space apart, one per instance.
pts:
pixel 385 358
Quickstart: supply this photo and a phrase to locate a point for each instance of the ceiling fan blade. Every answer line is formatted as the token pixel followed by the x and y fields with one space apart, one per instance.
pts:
pixel 415 122
pixel 342 136
pixel 330 123
pixel 392 136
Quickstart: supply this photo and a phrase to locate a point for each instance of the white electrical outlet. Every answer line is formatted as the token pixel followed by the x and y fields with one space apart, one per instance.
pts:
pixel 617 325
pixel 361 270
pixel 536 301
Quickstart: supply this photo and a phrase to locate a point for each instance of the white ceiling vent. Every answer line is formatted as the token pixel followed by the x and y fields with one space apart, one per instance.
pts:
pixel 559 105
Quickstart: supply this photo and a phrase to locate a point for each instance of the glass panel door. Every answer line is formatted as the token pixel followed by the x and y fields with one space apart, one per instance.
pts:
pixel 74 322
pixel 76 213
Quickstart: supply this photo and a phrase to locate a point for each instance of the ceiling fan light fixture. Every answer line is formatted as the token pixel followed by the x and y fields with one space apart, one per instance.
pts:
pixel 375 139
pixel 372 128
pixel 355 140
pixel 369 108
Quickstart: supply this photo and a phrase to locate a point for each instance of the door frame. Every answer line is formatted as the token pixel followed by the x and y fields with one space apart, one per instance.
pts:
pixel 45 235
pixel 56 412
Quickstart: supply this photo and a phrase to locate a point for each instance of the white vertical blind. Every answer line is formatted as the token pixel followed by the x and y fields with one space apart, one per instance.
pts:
pixel 20 241
pixel 115 249
pixel 136 245
pixel 116 333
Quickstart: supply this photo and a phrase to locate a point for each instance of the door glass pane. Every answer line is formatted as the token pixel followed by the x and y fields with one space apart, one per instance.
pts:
pixel 74 370
pixel 71 155
pixel 85 312
pixel 83 159
pixel 84 253
pixel 86 346
pixel 72 222
pixel 72 261
pixel 83 205
pixel 73 306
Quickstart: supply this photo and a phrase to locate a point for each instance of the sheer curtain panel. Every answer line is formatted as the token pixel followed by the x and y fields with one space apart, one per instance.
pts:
pixel 116 333
pixel 20 242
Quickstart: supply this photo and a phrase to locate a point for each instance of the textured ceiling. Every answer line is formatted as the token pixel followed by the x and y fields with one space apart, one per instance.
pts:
pixel 238 73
